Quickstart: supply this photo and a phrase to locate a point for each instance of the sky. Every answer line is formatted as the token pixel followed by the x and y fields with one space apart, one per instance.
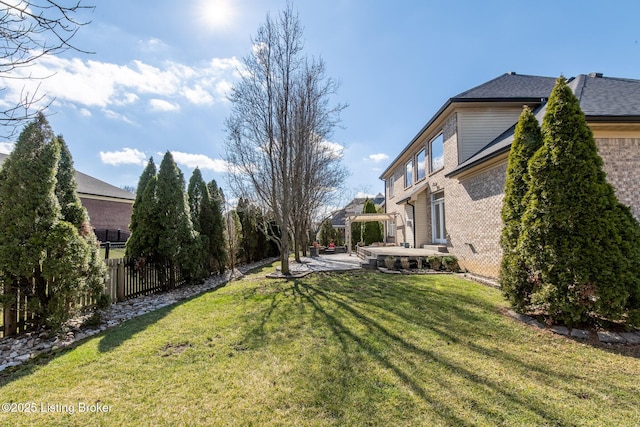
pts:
pixel 159 71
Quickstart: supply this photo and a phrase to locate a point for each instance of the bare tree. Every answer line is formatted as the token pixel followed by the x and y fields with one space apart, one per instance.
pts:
pixel 318 171
pixel 279 117
pixel 29 30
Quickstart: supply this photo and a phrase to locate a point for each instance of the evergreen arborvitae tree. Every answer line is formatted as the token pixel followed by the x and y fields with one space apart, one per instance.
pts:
pixel 216 227
pixel 250 230
pixel 176 237
pixel 573 230
pixel 73 212
pixel 202 218
pixel 356 234
pixel 372 229
pixel 197 191
pixel 326 232
pixel 337 237
pixel 41 255
pixel 514 274
pixel 143 241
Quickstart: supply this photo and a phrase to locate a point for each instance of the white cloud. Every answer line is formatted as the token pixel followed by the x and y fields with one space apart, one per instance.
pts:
pixel 89 83
pixel 334 147
pixel 201 161
pixel 126 156
pixel 162 105
pixel 6 147
pixel 152 45
pixel 117 116
pixel 364 194
pixel 85 113
pixel 378 157
pixel 197 95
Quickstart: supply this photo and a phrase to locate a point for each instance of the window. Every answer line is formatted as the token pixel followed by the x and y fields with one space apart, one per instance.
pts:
pixel 439 232
pixel 408 174
pixel 390 187
pixel 421 164
pixel 436 153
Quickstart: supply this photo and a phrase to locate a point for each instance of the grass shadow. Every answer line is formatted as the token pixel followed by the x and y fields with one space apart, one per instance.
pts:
pixel 321 297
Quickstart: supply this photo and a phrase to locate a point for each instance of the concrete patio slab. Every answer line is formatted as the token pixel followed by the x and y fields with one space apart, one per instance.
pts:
pixel 322 263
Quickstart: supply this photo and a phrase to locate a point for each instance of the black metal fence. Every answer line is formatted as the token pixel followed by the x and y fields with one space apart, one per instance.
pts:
pixel 112 235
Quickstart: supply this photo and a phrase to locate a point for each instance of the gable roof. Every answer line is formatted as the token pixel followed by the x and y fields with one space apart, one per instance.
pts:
pixel 607 98
pixel 509 87
pixel 602 99
pixel 356 206
pixel 90 186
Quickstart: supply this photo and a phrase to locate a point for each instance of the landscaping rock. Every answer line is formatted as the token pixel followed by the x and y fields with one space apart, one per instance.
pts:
pixel 610 337
pixel 537 324
pixel 521 317
pixel 581 334
pixel 562 330
pixel 631 337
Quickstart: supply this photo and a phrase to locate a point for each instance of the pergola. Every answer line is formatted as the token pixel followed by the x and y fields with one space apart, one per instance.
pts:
pixel 367 217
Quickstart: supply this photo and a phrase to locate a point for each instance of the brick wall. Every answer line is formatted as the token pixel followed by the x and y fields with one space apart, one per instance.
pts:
pixel 621 158
pixel 474 204
pixel 108 214
pixel 474 222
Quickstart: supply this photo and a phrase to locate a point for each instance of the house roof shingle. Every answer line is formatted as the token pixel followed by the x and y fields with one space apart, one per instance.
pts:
pixel 90 186
pixel 356 205
pixel 603 99
pixel 509 87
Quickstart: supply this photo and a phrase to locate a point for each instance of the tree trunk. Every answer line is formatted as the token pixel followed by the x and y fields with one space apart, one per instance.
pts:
pixel 284 254
pixel 296 246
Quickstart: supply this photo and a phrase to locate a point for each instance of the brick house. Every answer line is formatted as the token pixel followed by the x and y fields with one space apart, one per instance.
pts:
pixel 458 160
pixel 354 207
pixel 109 207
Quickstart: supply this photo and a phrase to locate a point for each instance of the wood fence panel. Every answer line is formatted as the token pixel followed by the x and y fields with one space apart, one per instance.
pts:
pixel 125 280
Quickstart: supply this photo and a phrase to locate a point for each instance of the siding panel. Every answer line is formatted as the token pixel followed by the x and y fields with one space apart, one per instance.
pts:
pixel 479 127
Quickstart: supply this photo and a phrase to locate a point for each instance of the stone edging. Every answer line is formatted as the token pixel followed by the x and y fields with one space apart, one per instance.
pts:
pixel 17 350
pixel 605 337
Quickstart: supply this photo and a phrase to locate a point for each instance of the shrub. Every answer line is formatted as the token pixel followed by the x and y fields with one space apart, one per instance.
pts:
pixel 404 262
pixel 450 263
pixel 435 262
pixel 390 262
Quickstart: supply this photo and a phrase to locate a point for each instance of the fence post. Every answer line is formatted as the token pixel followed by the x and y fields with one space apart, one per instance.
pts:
pixel 107 248
pixel 120 282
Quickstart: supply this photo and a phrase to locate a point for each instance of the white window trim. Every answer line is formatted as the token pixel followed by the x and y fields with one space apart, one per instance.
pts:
pixel 438 204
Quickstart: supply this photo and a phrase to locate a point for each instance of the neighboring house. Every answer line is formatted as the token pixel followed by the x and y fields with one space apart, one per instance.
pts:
pixel 447 185
pixel 338 218
pixel 109 207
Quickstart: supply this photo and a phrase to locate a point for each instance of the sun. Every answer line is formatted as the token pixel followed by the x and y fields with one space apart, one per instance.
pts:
pixel 217 15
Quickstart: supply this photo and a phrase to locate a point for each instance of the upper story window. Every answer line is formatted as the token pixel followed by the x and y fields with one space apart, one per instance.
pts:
pixel 408 173
pixel 436 151
pixel 390 183
pixel 421 164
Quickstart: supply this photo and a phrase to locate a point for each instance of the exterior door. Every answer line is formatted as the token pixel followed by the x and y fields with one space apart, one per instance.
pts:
pixel 437 218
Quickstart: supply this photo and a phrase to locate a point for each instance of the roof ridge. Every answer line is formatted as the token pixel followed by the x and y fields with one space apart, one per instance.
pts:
pixel 579 85
pixel 487 83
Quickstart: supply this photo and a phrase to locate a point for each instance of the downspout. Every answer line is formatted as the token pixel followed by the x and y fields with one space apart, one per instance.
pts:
pixel 413 224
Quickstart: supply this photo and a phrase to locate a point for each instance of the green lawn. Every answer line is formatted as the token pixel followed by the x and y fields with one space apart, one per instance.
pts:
pixel 113 253
pixel 333 349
